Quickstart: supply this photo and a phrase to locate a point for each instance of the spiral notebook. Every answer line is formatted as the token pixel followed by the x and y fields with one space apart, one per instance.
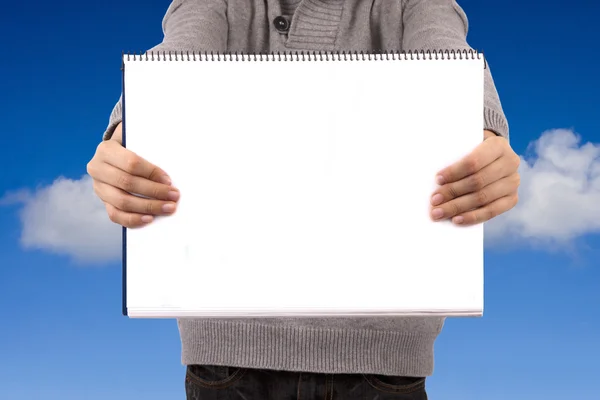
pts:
pixel 305 183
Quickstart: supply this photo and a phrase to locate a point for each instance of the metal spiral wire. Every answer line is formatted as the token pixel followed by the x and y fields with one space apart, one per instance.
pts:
pixel 353 55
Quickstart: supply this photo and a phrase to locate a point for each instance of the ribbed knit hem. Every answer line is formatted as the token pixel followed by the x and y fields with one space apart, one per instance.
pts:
pixel 237 343
pixel 315 25
pixel 495 122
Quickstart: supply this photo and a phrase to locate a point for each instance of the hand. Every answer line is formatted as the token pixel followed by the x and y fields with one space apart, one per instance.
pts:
pixel 481 186
pixel 119 173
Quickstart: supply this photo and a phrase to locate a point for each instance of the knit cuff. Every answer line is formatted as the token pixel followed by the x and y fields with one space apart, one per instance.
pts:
pixel 116 116
pixel 495 122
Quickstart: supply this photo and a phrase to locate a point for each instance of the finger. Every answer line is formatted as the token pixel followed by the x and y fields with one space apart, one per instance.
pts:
pixel 484 154
pixel 501 168
pixel 118 156
pixel 487 212
pixel 133 184
pixel 127 202
pixel 128 220
pixel 488 194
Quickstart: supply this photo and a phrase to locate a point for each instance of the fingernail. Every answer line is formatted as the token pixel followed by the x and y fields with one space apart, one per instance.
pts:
pixel 436 199
pixel 458 220
pixel 168 208
pixel 173 195
pixel 437 213
pixel 165 179
pixel 440 180
pixel 147 219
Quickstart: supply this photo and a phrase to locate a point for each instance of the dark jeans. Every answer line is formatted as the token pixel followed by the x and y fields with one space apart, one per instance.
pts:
pixel 203 382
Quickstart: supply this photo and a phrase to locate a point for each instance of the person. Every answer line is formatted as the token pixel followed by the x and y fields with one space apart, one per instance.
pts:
pixel 313 358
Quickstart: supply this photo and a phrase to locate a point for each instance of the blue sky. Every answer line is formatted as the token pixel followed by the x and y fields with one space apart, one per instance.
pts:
pixel 62 335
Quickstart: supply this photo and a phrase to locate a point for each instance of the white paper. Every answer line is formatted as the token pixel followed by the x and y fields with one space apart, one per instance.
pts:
pixel 305 187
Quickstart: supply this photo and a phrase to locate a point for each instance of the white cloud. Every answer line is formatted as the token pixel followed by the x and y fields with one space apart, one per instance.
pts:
pixel 67 218
pixel 559 197
pixel 559 201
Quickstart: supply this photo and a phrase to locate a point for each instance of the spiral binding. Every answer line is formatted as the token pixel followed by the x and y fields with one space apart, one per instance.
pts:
pixel 355 55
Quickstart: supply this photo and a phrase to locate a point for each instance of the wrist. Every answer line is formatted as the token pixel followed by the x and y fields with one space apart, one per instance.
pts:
pixel 488 134
pixel 117 133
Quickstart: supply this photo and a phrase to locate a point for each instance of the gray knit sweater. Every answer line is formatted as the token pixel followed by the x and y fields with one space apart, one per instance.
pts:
pixel 381 345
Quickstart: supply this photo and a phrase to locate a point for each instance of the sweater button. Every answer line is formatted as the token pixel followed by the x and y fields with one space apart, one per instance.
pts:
pixel 281 24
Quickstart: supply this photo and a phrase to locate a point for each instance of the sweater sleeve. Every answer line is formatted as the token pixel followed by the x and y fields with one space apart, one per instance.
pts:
pixel 441 25
pixel 194 25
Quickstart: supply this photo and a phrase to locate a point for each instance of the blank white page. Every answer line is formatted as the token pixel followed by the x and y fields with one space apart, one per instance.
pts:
pixel 305 187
